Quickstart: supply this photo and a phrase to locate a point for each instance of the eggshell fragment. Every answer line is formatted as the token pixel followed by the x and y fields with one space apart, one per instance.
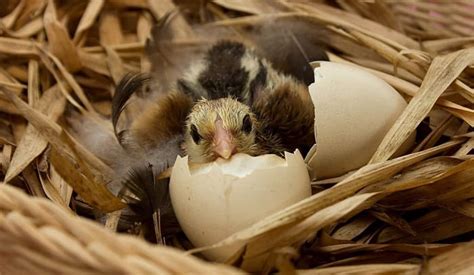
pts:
pixel 218 199
pixel 354 110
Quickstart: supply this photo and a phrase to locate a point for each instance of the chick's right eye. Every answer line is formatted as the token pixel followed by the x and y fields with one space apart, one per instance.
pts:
pixel 194 134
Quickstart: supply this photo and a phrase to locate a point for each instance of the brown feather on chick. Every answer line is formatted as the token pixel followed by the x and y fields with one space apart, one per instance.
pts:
pixel 162 120
pixel 286 120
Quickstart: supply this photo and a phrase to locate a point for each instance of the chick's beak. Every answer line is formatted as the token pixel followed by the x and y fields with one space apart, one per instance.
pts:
pixel 223 144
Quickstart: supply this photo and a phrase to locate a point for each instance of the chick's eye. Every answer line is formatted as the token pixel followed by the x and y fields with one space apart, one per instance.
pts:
pixel 247 124
pixel 194 134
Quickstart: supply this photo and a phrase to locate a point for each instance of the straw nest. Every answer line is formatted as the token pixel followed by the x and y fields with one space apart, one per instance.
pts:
pixel 413 214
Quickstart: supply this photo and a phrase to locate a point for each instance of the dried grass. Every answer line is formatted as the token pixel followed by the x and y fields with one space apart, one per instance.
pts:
pixel 409 215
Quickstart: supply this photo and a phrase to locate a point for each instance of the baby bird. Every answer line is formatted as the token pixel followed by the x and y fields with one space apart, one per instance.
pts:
pixel 231 101
pixel 220 128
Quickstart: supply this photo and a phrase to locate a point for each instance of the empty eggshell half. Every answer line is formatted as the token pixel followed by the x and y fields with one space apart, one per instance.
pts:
pixel 215 200
pixel 354 109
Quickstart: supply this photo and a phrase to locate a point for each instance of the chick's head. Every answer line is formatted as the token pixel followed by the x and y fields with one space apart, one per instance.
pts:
pixel 219 128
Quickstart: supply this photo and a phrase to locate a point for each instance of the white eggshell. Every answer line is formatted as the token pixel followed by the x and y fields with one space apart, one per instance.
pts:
pixel 220 198
pixel 354 109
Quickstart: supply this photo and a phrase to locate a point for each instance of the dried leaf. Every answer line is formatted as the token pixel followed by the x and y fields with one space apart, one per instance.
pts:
pixel 33 83
pixel 34 185
pixel 71 167
pixel 95 62
pixel 441 74
pixel 31 28
pixel 440 45
pixel 115 65
pixel 6 136
pixel 64 190
pixel 32 143
pixel 32 10
pixel 93 193
pixel 420 249
pixel 17 47
pixel 9 20
pixel 6 156
pixel 129 3
pixel 465 148
pixel 465 208
pixel 393 220
pixel 456 261
pixel 44 55
pixel 8 108
pixel 90 14
pixel 354 228
pixel 110 31
pixel 60 44
pixel 395 269
pixel 54 194
pixel 435 226
pixel 254 7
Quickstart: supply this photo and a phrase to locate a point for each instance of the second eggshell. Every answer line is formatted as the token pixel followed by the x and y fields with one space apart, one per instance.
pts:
pixel 215 200
pixel 354 110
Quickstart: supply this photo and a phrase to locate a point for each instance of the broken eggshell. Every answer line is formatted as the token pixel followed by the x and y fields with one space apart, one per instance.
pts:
pixel 354 109
pixel 214 200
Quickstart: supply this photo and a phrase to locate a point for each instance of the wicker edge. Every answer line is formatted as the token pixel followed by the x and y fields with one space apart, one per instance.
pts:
pixel 37 235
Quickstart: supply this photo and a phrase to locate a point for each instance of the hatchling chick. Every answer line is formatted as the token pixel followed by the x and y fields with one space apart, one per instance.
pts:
pixel 230 101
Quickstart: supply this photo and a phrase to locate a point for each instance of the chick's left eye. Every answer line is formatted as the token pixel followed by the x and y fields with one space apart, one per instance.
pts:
pixel 247 124
pixel 194 134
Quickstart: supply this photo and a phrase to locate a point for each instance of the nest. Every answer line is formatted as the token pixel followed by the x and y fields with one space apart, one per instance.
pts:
pixel 411 214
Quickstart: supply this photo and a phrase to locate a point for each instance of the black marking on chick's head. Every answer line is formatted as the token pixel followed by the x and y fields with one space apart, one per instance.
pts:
pixel 224 75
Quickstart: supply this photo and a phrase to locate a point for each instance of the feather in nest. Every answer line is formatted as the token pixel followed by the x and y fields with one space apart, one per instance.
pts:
pixel 148 198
